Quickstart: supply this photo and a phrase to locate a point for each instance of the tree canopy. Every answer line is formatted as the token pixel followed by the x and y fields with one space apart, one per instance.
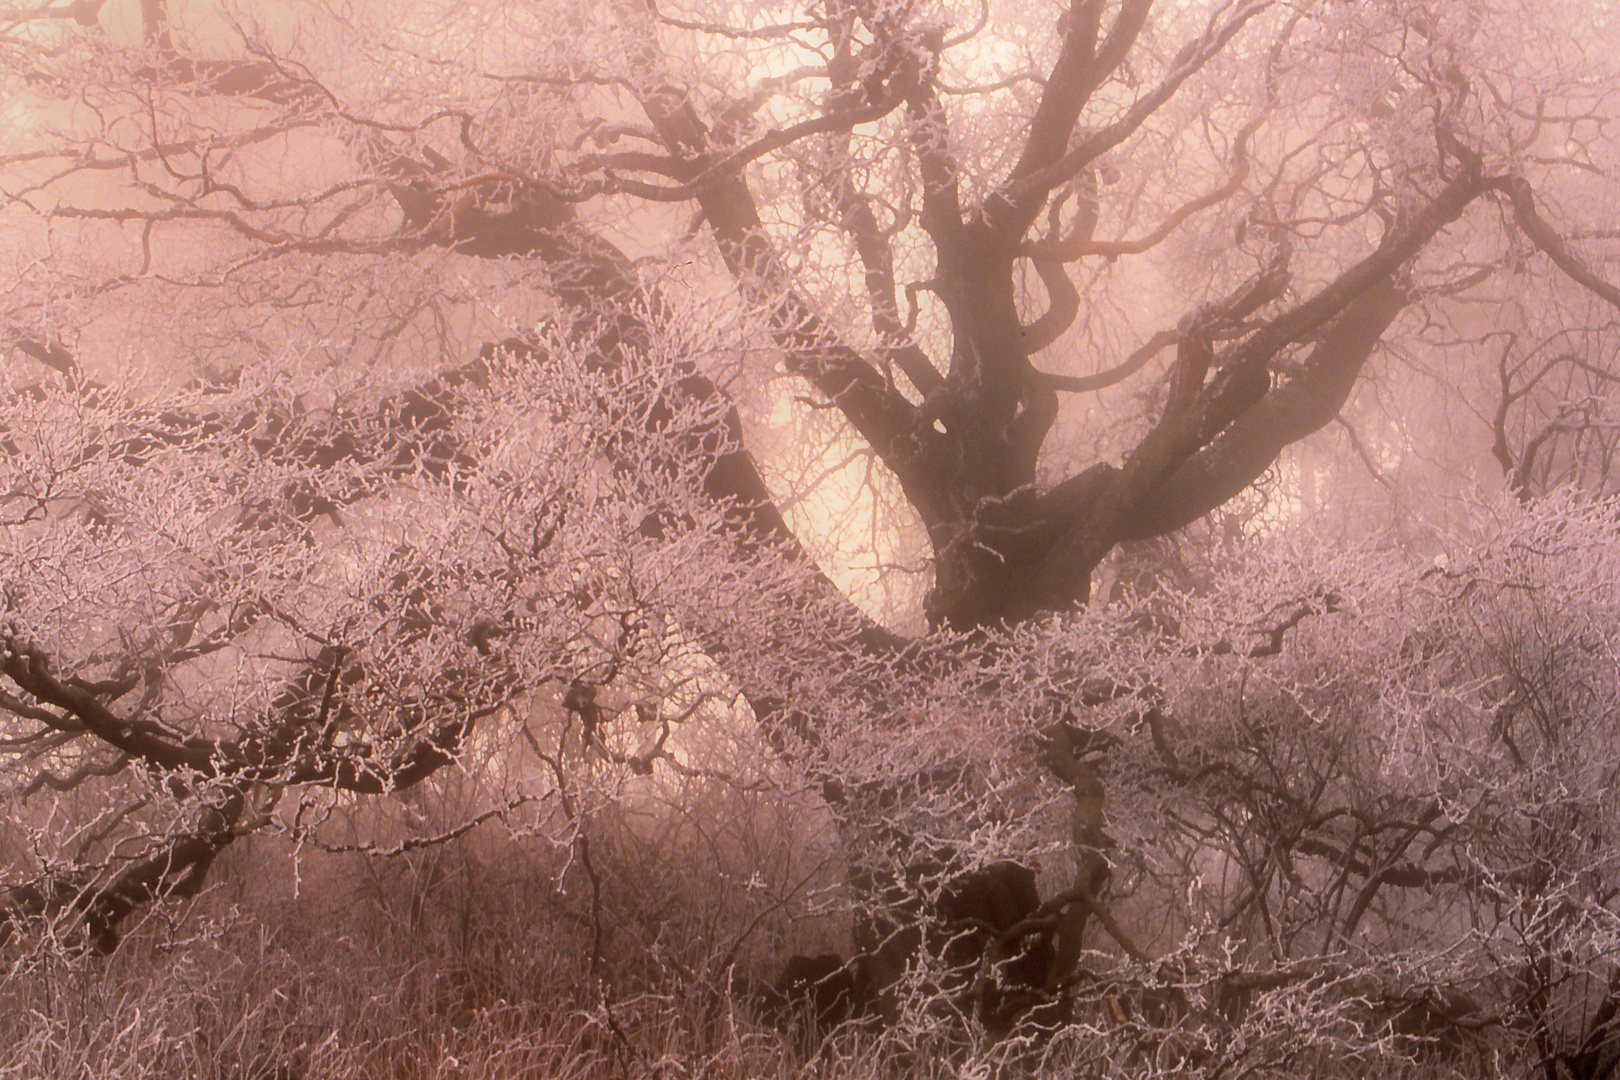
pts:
pixel 1059 431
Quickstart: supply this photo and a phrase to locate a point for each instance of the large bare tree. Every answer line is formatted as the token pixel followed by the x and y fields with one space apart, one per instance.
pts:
pixel 373 370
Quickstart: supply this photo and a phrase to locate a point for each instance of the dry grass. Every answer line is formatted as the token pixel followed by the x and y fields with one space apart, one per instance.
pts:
pixel 241 1005
pixel 461 965
pixel 251 1002
pixel 450 965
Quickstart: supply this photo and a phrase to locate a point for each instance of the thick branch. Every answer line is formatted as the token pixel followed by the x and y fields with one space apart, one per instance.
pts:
pixel 1546 238
pixel 1068 250
pixel 928 129
pixel 1207 450
pixel 878 411
pixel 29 668
pixel 1028 190
pixel 1240 304
pixel 179 870
pixel 1306 402
pixel 1081 68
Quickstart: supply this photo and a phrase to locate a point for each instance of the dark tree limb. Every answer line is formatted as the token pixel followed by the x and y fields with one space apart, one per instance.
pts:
pixel 1522 198
pixel 1029 188
pixel 177 871
pixel 1081 68
pixel 1301 405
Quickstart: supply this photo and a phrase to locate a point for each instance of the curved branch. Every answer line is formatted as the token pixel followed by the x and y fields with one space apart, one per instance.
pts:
pixel 1522 198
pixel 878 411
pixel 1246 449
pixel 177 871
pixel 45 778
pixel 1081 67
pixel 1063 306
pixel 1030 188
pixel 30 669
pixel 1080 247
pixel 1238 305
pixel 726 168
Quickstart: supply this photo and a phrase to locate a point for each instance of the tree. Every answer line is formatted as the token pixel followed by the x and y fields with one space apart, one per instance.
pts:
pixel 385 372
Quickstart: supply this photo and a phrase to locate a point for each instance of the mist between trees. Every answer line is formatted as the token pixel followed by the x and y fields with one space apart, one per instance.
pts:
pixel 855 538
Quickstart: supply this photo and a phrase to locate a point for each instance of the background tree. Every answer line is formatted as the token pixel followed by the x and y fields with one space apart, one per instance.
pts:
pixel 380 377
